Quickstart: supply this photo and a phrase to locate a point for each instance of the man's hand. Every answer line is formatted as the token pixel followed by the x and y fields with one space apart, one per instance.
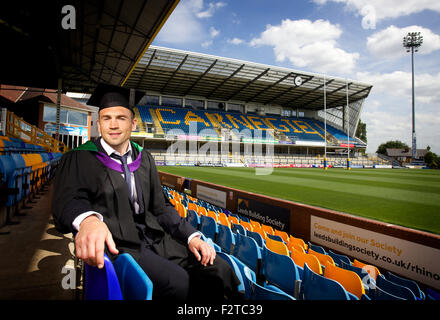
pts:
pixel 90 240
pixel 203 251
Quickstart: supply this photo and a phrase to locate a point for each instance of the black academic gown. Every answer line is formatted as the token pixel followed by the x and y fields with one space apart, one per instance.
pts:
pixel 83 183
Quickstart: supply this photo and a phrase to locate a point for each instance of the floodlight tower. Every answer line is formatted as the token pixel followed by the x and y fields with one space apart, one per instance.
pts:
pixel 412 42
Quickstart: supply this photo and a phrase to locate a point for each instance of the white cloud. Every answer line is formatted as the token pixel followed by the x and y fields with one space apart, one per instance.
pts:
pixel 235 41
pixel 185 25
pixel 387 111
pixel 310 44
pixel 381 9
pixel 213 32
pixel 212 7
pixel 398 84
pixel 387 43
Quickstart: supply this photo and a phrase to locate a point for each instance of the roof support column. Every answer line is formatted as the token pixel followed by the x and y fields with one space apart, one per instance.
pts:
pixel 57 132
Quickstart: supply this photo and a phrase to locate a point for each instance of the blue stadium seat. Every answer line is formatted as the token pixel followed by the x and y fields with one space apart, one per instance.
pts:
pixel 225 238
pixel 134 282
pixel 339 258
pixel 257 237
pixel 394 289
pixel 274 237
pixel 230 260
pixel 379 294
pixel 316 248
pixel 280 270
pixel 193 218
pixel 101 284
pixel 238 228
pixel 246 250
pixel 317 287
pixel 410 284
pixel 263 293
pixel 208 227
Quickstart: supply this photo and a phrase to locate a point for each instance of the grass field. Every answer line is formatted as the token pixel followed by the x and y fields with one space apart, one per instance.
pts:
pixel 409 198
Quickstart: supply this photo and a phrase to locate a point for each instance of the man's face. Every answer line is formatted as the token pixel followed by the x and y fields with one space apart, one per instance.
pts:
pixel 115 125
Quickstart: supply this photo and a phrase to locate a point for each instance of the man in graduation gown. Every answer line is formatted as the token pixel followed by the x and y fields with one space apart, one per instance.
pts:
pixel 108 192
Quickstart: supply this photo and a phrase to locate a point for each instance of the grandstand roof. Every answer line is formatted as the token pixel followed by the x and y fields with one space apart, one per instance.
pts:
pixel 183 73
pixel 107 40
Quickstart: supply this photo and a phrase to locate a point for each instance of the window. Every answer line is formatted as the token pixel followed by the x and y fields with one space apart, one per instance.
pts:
pixel 171 102
pixel 77 118
pixel 235 107
pixel 50 114
pixel 196 104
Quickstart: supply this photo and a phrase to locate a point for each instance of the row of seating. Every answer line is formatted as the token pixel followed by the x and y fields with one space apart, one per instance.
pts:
pixel 22 176
pixel 270 266
pixel 279 261
pixel 10 145
pixel 304 129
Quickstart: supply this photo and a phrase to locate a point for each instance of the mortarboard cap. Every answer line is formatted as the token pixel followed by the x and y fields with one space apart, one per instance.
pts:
pixel 106 96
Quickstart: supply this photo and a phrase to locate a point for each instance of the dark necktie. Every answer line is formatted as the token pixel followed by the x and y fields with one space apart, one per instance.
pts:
pixel 127 174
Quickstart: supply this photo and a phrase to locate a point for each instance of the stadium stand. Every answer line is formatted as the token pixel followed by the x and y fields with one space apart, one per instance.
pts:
pixel 25 169
pixel 272 268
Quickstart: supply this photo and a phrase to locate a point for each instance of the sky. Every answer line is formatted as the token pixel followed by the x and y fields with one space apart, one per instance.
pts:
pixel 354 39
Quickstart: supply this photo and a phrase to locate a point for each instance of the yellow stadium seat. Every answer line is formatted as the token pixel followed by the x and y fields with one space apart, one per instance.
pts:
pixel 267 229
pixel 255 224
pixel 212 214
pixel 223 219
pixel 277 246
pixel 193 206
pixel 246 225
pixel 202 211
pixel 283 235
pixel 294 246
pixel 298 241
pixel 233 220
pixel 348 279
pixel 300 258
pixel 323 258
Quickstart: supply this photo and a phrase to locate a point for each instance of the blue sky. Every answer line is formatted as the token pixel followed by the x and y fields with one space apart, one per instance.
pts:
pixel 354 39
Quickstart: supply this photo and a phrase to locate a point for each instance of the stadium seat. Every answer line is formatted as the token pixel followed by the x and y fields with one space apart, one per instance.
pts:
pixel 410 284
pixel 395 289
pixel 193 218
pixel 261 293
pixel 323 258
pixel 230 260
pixel 317 287
pixel 274 237
pixel 225 238
pixel 223 219
pixel 280 270
pixel 134 282
pixel 348 279
pixel 101 284
pixel 432 294
pixel 257 237
pixel 277 246
pixel 339 258
pixel 301 258
pixel 372 270
pixel 267 229
pixel 379 294
pixel 246 250
pixel 362 273
pixel 316 248
pixel 283 235
pixel 238 228
pixel 298 241
pixel 294 246
pixel 246 225
pixel 208 227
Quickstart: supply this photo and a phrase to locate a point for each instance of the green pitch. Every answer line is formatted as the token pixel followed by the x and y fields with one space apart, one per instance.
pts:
pixel 409 198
